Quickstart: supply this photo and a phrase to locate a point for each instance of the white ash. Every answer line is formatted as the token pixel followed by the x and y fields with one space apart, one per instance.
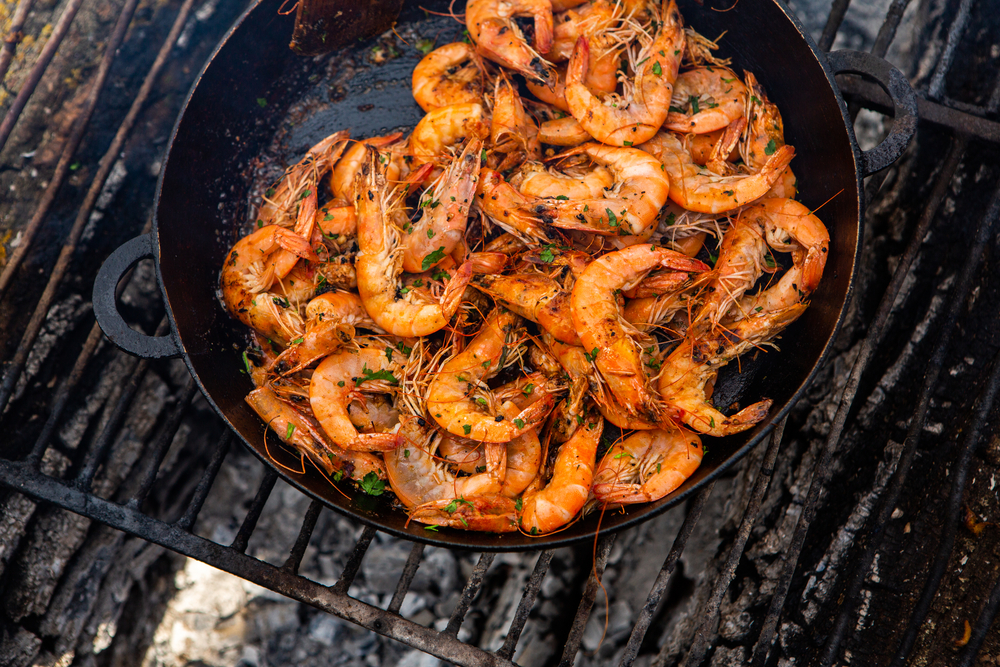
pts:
pixel 60 321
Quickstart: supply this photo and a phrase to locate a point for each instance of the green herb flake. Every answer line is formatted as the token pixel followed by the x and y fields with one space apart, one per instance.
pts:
pixel 246 362
pixel 657 70
pixel 467 428
pixel 481 401
pixel 261 102
pixel 432 259
pixel 770 148
pixel 340 384
pixel 430 233
pixel 289 431
pixel 546 256
pixel 337 474
pixel 406 453
pixel 562 197
pixel 425 46
pixel 528 388
pixel 519 423
pixel 440 274
pixel 612 220
pixel 518 504
pixel 619 455
pixel 693 100
pixel 388 353
pixel 711 422
pixel 431 528
pixel 379 375
pixel 74 166
pixel 372 485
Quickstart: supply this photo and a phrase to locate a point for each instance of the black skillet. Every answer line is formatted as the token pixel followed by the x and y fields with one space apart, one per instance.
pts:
pixel 252 90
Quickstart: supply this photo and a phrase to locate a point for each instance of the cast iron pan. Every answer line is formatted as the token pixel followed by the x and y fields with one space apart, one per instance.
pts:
pixel 254 90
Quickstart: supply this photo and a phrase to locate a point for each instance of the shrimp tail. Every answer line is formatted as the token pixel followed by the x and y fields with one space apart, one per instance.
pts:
pixel 297 245
pixel 453 291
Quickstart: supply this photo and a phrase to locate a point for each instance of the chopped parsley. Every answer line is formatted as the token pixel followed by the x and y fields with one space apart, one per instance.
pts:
pixel 379 375
pixel 432 259
pixel 372 485
pixel 657 70
pixel 289 431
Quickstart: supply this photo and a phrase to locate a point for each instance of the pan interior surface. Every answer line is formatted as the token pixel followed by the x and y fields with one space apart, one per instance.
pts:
pixel 257 105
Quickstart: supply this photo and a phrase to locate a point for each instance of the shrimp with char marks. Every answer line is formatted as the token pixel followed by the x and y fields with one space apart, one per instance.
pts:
pixel 598 321
pixel 379 264
pixel 450 394
pixel 696 189
pixel 692 367
pixel 492 28
pixel 706 99
pixel 630 207
pixel 444 213
pixel 450 74
pixel 635 117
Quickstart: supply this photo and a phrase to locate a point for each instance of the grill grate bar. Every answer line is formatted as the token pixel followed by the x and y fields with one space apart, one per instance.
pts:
pixel 986 400
pixel 16 365
pixel 79 129
pixel 14 36
pixel 405 579
pixel 242 538
pixel 601 554
pixel 837 12
pixel 160 446
pixel 888 30
pixel 62 395
pixel 983 623
pixel 205 483
pixel 823 468
pixel 21 477
pixel 353 565
pixel 42 64
pixel 936 86
pixel 291 565
pixel 472 587
pixel 662 579
pixel 887 503
pixel 702 636
pixel 531 589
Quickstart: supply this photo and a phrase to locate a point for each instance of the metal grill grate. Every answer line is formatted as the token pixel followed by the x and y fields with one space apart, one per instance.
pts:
pixel 25 468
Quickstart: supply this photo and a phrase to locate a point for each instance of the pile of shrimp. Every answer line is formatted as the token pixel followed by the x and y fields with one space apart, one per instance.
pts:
pixel 473 303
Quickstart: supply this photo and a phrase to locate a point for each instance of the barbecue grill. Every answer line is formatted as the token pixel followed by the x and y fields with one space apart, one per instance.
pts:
pixel 861 532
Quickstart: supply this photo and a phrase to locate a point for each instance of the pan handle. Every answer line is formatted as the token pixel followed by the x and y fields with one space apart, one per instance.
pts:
pixel 106 304
pixel 904 104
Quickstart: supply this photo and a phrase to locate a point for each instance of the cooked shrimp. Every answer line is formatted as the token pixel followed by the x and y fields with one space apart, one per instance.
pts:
pixel 487 513
pixel 636 116
pixel 249 272
pixel 764 135
pixel 788 227
pixel 331 319
pixel 601 77
pixel 513 133
pixel 534 180
pixel 630 207
pixel 417 476
pixel 697 189
pixel 450 74
pixel 598 321
pixel 492 28
pixel 450 394
pixel 508 208
pixel 379 264
pixel 535 297
pixel 305 435
pixel 342 178
pixel 565 494
pixel 337 381
pixel 444 127
pixel 741 263
pixel 445 210
pixel 646 466
pixel 280 202
pixel 563 132
pixel 690 370
pixel 706 99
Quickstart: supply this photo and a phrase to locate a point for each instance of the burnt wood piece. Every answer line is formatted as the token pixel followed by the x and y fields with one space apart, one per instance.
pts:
pixel 324 25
